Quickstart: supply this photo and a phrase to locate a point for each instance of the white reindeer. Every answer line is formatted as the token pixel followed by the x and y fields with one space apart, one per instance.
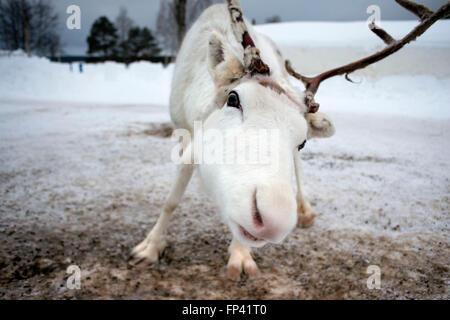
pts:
pixel 220 79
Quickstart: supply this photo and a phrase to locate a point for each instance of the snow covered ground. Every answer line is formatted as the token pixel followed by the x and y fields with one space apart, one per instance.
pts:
pixel 85 168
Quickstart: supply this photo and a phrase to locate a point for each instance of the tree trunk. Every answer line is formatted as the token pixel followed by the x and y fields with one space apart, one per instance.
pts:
pixel 180 17
pixel 26 36
pixel 26 28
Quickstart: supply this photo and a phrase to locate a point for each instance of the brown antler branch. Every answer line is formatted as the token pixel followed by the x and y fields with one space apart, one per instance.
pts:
pixel 312 83
pixel 419 10
pixel 386 37
pixel 253 63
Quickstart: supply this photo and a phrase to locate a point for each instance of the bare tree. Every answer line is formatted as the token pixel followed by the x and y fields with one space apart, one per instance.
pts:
pixel 123 24
pixel 8 25
pixel 175 17
pixel 45 39
pixel 14 24
pixel 179 12
pixel 195 9
pixel 166 28
pixel 29 25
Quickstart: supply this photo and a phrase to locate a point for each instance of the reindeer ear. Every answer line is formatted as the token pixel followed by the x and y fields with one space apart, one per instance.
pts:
pixel 224 66
pixel 319 125
pixel 216 54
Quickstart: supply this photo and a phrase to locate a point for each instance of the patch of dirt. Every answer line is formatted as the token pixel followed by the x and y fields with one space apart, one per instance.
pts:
pixel 163 130
pixel 310 265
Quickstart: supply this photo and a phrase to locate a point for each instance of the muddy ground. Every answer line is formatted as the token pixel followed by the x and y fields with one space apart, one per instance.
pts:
pixel 82 184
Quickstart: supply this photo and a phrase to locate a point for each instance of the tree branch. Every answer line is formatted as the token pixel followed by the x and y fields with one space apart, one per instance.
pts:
pixel 386 37
pixel 419 10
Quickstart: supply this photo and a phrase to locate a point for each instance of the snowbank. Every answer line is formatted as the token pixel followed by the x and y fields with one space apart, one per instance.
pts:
pixel 351 34
pixel 39 79
pixel 414 82
pixel 317 46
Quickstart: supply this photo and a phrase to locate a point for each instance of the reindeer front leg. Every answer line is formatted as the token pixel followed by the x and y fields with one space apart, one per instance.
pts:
pixel 305 213
pixel 240 260
pixel 149 250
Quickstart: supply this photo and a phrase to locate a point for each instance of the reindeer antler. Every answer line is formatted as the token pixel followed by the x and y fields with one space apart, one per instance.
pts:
pixel 253 63
pixel 427 18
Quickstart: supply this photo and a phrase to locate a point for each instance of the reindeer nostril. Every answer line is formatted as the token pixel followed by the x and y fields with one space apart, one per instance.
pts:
pixel 257 219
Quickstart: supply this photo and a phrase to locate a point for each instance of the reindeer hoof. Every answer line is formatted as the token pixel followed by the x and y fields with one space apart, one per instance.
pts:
pixel 306 220
pixel 237 267
pixel 147 252
pixel 234 273
pixel 305 215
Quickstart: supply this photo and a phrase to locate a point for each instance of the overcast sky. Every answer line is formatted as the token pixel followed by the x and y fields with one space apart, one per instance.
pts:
pixel 144 12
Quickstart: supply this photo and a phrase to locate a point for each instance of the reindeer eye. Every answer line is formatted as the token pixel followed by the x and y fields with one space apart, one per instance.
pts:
pixel 300 147
pixel 233 100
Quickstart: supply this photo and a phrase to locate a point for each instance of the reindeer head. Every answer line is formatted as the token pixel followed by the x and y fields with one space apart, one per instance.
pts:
pixel 256 198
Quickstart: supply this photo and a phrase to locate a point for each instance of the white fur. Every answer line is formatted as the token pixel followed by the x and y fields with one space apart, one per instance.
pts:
pixel 208 62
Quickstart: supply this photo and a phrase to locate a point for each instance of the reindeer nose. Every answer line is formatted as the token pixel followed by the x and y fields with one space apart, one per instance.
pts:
pixel 273 214
pixel 264 231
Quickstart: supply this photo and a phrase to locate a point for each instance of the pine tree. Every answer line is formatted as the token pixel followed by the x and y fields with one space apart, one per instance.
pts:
pixel 142 44
pixel 103 38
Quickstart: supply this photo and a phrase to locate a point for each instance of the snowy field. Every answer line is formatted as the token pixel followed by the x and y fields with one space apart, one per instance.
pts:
pixel 85 168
